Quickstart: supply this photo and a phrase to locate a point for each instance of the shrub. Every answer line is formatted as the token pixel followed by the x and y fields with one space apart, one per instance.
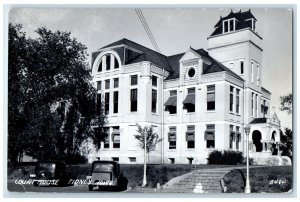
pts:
pixel 225 157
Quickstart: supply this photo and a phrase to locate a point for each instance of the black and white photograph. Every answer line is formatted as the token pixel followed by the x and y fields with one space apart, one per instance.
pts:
pixel 157 100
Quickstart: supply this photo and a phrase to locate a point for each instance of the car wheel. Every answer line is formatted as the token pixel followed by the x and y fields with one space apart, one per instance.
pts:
pixel 35 183
pixel 44 175
pixel 91 187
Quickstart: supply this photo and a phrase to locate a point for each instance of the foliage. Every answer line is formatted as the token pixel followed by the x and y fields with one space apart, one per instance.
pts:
pixel 152 138
pixel 286 103
pixel 51 100
pixel 286 144
pixel 226 157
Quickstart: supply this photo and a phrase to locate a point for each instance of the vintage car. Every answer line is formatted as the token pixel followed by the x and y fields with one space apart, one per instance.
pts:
pixel 106 175
pixel 50 173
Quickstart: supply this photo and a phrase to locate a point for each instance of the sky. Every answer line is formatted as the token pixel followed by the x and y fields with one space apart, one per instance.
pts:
pixel 175 30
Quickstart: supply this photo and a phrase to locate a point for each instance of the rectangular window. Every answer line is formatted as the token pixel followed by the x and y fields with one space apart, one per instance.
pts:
pixel 252 71
pixel 172 138
pixel 257 78
pixel 116 159
pixel 231 99
pixel 115 136
pixel 116 82
pixel 108 62
pixel 171 104
pixel 132 159
pixel 116 102
pixel 106 137
pixel 211 97
pixel 226 26
pixel 209 136
pixel 99 104
pixel 238 138
pixel 231 25
pixel 189 101
pixel 190 137
pixel 154 81
pixel 106 103
pixel 133 100
pixel 154 101
pixel 252 104
pixel 107 84
pixel 242 67
pixel 237 109
pixel 98 85
pixel 231 136
pixel 134 80
pixel 256 106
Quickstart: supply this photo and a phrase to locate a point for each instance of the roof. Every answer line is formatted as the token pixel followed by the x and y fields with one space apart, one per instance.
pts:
pixel 241 21
pixel 169 63
pixel 263 89
pixel 258 120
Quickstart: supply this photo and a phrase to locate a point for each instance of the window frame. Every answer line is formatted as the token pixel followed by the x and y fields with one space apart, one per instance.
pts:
pixel 211 92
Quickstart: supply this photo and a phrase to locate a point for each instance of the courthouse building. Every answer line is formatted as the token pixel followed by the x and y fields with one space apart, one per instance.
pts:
pixel 197 101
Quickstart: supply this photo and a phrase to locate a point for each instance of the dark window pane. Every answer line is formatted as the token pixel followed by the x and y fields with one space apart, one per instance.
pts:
pixel 191 144
pixel 116 63
pixel 116 100
pixel 100 67
pixel 242 67
pixel 116 82
pixel 134 80
pixel 133 100
pixel 107 84
pixel 210 144
pixel 154 101
pixel 107 62
pixel 154 81
pixel 98 109
pixel 98 85
pixel 106 103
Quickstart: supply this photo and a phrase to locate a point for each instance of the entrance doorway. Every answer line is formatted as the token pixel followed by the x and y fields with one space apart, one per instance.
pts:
pixel 256 138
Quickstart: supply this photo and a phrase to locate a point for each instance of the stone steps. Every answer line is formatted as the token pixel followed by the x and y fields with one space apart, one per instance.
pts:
pixel 199 181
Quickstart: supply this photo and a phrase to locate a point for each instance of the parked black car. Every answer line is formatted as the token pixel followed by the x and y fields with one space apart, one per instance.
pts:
pixel 53 173
pixel 106 175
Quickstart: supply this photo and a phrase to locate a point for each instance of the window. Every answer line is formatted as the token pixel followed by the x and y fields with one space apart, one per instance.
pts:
pixel 134 80
pixel 116 159
pixel 228 25
pixel 115 136
pixel 190 137
pixel 133 100
pixel 116 101
pixel 264 108
pixel 189 101
pixel 172 160
pixel 106 103
pixel 252 104
pixel 242 67
pixel 191 72
pixel 171 104
pixel 132 159
pixel 154 101
pixel 154 81
pixel 107 84
pixel 231 99
pixel 106 137
pixel 237 96
pixel 172 138
pixel 256 106
pixel 116 82
pixel 209 136
pixel 252 71
pixel 211 94
pixel 116 65
pixel 99 104
pixel 108 62
pixel 100 66
pixel 98 85
pixel 238 138
pixel 257 77
pixel 231 136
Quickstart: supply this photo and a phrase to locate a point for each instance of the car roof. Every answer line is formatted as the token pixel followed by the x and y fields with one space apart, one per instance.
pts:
pixel 105 162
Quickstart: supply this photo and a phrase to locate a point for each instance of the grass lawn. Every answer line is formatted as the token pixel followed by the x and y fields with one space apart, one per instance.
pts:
pixel 275 179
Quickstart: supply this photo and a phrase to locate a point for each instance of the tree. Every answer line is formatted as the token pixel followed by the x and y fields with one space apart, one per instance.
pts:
pixel 286 145
pixel 51 100
pixel 148 140
pixel 286 103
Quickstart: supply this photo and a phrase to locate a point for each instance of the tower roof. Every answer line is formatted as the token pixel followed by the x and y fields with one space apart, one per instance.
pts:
pixel 241 23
